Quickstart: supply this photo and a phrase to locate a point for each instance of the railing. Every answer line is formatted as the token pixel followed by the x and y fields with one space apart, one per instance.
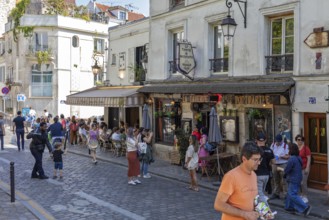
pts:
pixel 279 63
pixel 219 65
pixel 173 66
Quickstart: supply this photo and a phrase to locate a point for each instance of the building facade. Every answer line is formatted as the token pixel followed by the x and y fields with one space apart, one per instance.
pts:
pixel 270 77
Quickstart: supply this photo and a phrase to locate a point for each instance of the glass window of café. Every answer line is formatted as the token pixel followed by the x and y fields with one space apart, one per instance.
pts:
pixel 167 116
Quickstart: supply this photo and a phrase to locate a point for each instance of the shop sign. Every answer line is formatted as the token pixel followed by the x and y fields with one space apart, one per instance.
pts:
pixel 186 61
pixel 252 99
pixel 319 38
pixel 196 98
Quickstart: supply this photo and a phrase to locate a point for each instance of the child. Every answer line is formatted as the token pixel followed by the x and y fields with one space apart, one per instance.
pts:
pixel 58 160
pixel 191 161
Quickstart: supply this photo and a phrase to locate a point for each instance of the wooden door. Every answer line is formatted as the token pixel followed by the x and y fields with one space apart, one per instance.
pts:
pixel 316 138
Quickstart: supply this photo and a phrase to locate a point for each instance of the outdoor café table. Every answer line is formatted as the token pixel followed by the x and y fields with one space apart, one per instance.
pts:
pixel 225 162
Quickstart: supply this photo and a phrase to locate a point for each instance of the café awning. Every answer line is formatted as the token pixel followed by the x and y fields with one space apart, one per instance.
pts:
pixel 114 96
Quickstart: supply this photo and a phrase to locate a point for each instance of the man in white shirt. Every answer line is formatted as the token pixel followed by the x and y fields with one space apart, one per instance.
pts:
pixel 281 153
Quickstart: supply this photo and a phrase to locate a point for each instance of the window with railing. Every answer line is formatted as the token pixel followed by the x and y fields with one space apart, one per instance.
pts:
pixel 175 3
pixel 40 41
pixel 281 58
pixel 219 62
pixel 41 82
pixel 176 38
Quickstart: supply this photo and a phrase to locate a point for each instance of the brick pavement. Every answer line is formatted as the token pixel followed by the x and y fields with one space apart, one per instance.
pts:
pixel 159 168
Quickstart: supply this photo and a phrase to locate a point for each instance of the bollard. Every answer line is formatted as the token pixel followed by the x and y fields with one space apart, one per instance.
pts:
pixel 12 182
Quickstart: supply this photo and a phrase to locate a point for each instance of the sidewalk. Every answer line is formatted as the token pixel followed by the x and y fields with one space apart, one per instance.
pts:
pixel 164 169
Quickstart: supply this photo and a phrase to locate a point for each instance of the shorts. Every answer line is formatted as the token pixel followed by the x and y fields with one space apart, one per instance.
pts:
pixel 58 165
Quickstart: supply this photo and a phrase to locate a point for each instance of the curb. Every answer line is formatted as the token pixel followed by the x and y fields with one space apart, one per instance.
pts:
pixel 31 205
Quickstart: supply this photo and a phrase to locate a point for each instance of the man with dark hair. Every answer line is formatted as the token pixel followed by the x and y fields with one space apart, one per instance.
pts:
pixel 264 168
pixel 235 197
pixel 18 127
pixel 39 140
pixel 56 131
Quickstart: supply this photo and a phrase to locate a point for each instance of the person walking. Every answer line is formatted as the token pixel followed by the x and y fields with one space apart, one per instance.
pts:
pixel 191 161
pixel 133 163
pixel 2 131
pixel 92 141
pixel 281 153
pixel 203 152
pixel 293 174
pixel 305 154
pixel 73 131
pixel 56 131
pixel 37 146
pixel 237 192
pixel 18 127
pixel 265 166
pixel 147 157
pixel 58 159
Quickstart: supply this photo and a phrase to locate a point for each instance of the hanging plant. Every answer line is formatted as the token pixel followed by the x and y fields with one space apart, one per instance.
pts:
pixel 43 56
pixel 198 116
pixel 254 113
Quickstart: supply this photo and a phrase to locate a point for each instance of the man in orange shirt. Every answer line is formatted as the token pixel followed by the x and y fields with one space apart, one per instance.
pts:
pixel 235 197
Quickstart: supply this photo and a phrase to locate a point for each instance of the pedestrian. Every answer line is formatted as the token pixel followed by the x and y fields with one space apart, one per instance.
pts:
pixel 133 163
pixel 146 158
pixel 73 131
pixel 2 131
pixel 45 113
pixel 37 146
pixel 63 123
pixel 18 127
pixel 36 123
pixel 203 152
pixel 58 159
pixel 281 153
pixel 293 174
pixel 305 154
pixel 56 131
pixel 265 167
pixel 235 197
pixel 196 133
pixel 93 138
pixel 191 161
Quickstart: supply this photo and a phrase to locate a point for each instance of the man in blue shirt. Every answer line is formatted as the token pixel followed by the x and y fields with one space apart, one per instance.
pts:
pixel 18 127
pixel 56 130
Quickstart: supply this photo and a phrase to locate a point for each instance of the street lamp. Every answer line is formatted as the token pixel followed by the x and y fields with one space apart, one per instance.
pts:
pixel 95 68
pixel 228 24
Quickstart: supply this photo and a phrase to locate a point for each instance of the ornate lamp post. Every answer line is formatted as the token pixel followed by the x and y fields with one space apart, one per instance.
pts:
pixel 228 24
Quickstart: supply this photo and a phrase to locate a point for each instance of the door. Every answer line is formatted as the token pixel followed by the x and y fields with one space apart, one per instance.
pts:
pixel 316 138
pixel 113 117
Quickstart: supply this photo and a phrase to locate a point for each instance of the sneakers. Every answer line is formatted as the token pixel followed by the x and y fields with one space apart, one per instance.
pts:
pixel 131 182
pixel 305 199
pixel 137 181
pixel 147 176
pixel 307 210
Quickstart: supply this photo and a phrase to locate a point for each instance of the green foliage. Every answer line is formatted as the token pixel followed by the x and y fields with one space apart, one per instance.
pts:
pixel 43 56
pixel 56 7
pixel 16 14
pixel 138 70
pixel 183 142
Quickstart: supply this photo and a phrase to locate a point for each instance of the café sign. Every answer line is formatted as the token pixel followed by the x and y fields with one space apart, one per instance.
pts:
pixel 186 61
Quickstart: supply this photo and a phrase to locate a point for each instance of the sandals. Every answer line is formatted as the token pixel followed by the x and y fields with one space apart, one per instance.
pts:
pixel 196 189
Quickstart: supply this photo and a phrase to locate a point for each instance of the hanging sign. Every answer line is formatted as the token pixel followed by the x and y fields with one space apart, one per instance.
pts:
pixel 186 61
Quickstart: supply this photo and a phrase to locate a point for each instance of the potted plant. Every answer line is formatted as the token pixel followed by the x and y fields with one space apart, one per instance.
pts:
pixel 43 56
pixel 138 71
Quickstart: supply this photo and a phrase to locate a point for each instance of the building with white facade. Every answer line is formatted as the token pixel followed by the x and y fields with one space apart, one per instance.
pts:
pixel 271 77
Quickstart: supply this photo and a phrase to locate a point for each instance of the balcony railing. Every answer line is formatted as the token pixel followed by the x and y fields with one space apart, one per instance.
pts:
pixel 173 66
pixel 219 65
pixel 280 63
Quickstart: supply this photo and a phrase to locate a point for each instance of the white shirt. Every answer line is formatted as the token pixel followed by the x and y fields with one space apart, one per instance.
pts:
pixel 116 136
pixel 280 151
pixel 131 144
pixel 32 112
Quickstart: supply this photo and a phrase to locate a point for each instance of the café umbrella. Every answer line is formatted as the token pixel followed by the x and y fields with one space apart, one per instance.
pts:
pixel 214 135
pixel 146 123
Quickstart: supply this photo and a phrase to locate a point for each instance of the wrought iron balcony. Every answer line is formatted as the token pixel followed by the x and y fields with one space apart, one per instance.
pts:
pixel 173 66
pixel 219 64
pixel 280 63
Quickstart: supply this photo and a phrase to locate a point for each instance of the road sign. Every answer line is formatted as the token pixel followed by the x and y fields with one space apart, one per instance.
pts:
pixel 5 90
pixel 21 98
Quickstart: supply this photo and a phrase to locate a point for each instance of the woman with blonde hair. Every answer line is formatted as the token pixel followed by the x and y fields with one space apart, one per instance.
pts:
pixel 191 161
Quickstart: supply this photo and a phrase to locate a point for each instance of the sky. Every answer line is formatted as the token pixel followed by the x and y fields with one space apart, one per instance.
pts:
pixel 142 5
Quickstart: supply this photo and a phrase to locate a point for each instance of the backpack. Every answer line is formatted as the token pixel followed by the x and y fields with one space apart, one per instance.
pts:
pixel 210 147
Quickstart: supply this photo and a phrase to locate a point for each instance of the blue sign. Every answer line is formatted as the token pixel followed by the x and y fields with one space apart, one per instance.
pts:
pixel 21 98
pixel 5 90
pixel 312 100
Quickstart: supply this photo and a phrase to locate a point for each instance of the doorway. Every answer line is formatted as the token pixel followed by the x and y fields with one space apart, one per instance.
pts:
pixel 315 125
pixel 132 116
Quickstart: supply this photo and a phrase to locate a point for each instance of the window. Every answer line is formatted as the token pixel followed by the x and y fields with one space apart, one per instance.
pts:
pixel 176 37
pixel 281 46
pixel 175 3
pixel 40 41
pixel 139 70
pixel 98 45
pixel 122 15
pixel 75 41
pixel 2 73
pixel 42 78
pixel 114 60
pixel 219 62
pixel 2 48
